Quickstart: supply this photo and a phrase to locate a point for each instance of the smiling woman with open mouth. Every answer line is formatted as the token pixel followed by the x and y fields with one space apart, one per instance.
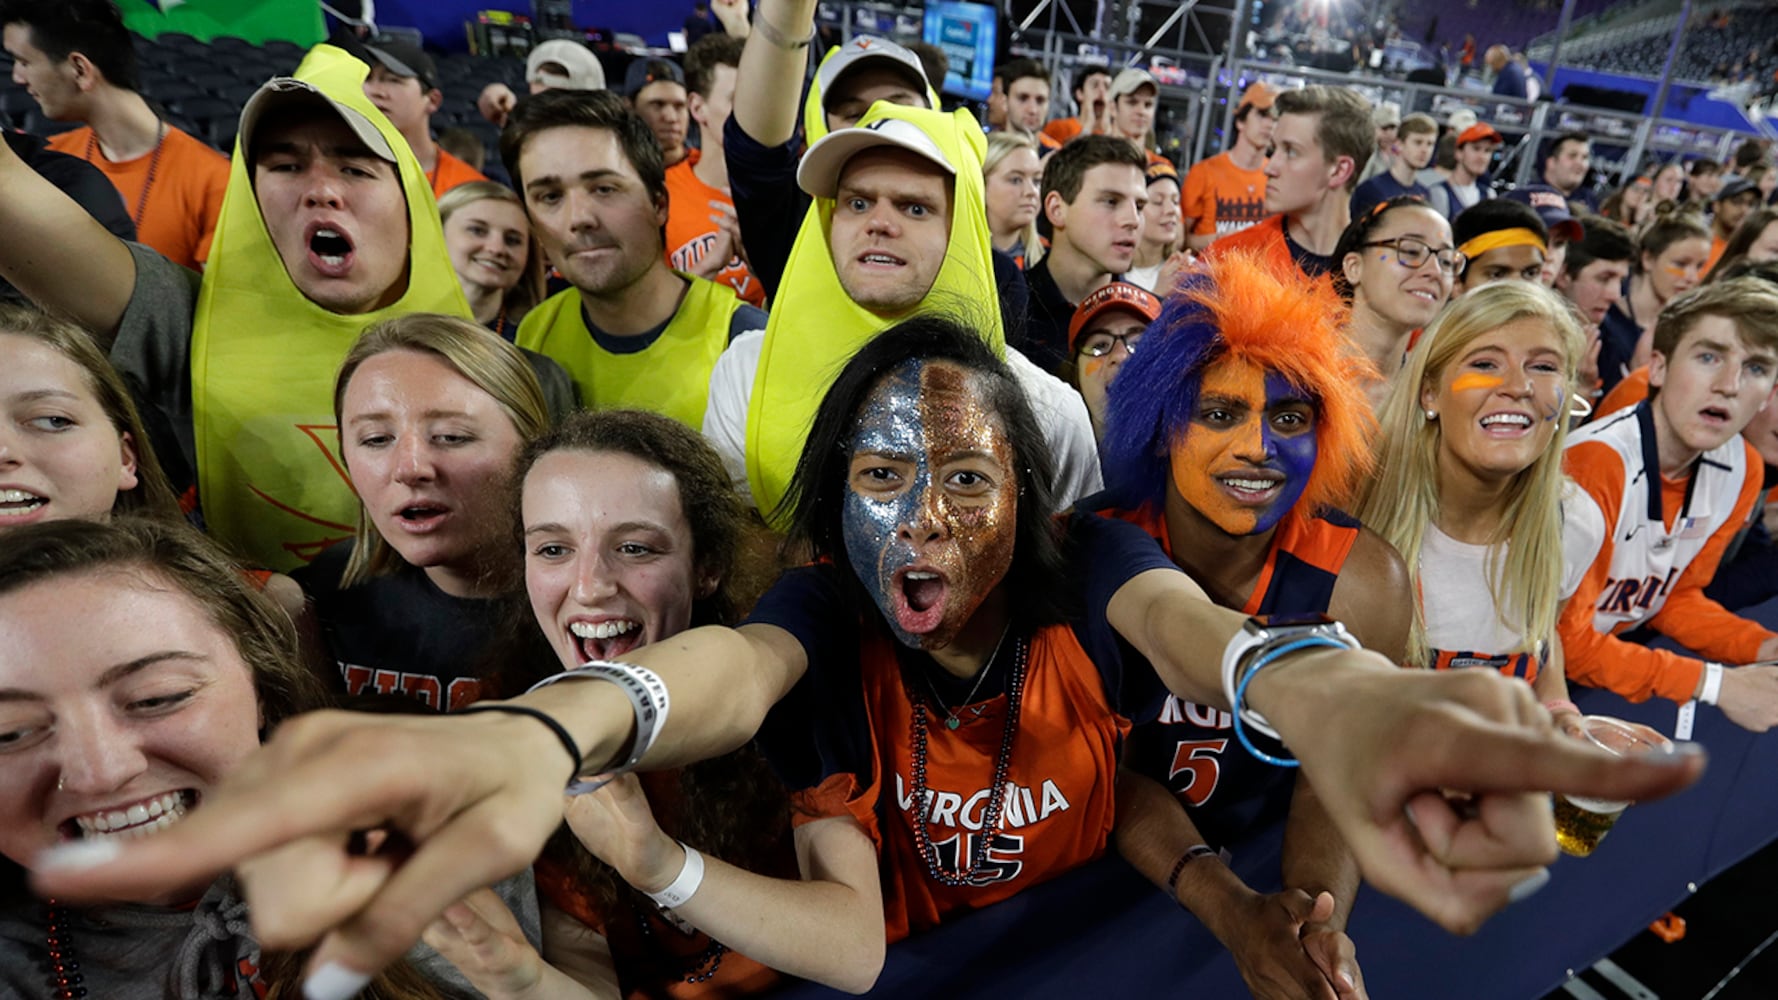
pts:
pixel 118 733
pixel 1471 488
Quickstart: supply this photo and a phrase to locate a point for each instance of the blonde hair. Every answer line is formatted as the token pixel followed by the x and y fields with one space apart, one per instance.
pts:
pixel 1403 497
pixel 531 287
pixel 495 366
pixel 1001 145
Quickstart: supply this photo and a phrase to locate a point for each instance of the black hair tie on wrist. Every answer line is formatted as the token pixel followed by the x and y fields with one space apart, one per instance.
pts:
pixel 561 732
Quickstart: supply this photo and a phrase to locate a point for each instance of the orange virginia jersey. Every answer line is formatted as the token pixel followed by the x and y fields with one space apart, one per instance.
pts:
pixel 1058 809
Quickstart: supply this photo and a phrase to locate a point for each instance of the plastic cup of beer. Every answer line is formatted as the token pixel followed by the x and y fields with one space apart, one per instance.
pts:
pixel 1582 822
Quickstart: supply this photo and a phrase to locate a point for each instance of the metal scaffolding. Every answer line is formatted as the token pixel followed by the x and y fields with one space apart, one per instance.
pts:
pixel 1200 51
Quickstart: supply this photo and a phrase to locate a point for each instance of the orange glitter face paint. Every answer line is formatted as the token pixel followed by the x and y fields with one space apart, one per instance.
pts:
pixel 1476 380
pixel 931 510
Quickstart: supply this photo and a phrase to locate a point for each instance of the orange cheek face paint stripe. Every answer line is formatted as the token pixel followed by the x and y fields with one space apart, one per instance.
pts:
pixel 1476 380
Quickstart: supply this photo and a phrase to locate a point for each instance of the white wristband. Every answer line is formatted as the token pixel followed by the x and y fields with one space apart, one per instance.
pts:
pixel 1712 683
pixel 648 696
pixel 683 887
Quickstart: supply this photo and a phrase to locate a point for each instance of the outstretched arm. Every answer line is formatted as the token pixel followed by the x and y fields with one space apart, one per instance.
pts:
pixel 483 792
pixel 1381 744
pixel 477 796
pixel 60 257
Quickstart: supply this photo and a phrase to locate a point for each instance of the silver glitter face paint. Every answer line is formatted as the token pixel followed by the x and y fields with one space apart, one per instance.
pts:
pixel 931 507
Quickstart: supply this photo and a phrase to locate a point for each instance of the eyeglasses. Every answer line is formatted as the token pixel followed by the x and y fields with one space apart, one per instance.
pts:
pixel 1100 344
pixel 1413 252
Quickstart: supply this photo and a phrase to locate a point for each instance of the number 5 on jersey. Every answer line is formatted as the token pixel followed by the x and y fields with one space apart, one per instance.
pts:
pixel 1199 758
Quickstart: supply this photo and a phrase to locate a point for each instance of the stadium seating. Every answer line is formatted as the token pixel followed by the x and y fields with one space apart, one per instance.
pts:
pixel 201 86
pixel 1707 53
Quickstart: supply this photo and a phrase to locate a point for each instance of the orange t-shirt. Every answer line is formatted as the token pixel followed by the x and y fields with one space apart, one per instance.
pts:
pixel 1631 390
pixel 451 172
pixel 691 234
pixel 1717 246
pixel 1063 129
pixel 1222 198
pixel 178 216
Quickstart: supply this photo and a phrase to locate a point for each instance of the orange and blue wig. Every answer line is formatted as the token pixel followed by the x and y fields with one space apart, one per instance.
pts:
pixel 1248 308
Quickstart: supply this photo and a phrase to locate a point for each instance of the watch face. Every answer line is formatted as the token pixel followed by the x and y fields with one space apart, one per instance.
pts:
pixel 1298 621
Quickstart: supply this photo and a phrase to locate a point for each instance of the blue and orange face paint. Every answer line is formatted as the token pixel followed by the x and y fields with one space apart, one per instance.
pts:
pixel 1251 424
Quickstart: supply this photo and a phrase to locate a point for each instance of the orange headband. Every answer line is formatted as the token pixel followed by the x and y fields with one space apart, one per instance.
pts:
pixel 1516 237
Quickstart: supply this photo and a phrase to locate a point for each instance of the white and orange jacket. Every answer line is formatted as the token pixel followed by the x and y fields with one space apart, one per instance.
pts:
pixel 1664 541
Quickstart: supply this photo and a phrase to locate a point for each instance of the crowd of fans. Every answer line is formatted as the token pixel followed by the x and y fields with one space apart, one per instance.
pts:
pixel 973 503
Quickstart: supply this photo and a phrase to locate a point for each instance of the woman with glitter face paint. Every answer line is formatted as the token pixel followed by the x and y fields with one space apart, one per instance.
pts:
pixel 946 709
pixel 1470 487
pixel 1230 436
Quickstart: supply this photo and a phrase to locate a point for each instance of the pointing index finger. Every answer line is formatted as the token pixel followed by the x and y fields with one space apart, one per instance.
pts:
pixel 285 791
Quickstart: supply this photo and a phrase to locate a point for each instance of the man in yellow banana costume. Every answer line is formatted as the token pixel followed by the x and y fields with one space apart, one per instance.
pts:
pixel 327 227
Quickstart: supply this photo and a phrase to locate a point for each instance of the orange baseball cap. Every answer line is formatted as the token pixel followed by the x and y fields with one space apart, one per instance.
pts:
pixel 1117 295
pixel 1258 95
pixel 1478 132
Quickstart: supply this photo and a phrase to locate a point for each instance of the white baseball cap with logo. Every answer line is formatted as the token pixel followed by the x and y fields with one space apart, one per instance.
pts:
pixel 819 173
pixel 866 49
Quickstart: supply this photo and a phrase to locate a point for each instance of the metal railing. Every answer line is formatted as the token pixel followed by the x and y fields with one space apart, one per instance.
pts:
pixel 1202 91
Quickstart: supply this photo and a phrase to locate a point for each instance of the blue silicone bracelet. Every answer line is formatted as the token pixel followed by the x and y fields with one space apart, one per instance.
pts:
pixel 1270 656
